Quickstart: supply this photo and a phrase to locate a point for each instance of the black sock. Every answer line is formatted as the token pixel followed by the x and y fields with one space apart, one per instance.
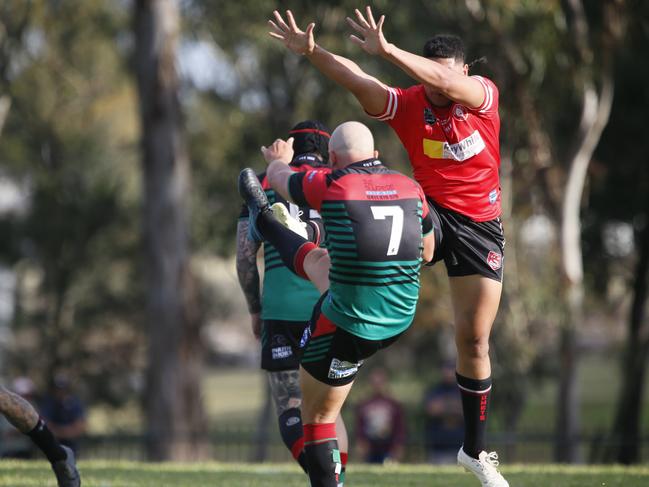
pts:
pixel 286 241
pixel 44 439
pixel 322 454
pixel 475 402
pixel 290 429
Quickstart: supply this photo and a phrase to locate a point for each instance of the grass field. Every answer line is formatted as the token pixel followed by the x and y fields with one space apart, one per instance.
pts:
pixel 130 474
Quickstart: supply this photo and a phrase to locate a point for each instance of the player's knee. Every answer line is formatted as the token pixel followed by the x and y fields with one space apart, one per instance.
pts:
pixel 472 346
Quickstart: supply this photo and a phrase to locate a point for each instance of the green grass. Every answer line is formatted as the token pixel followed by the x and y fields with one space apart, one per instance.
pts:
pixel 130 474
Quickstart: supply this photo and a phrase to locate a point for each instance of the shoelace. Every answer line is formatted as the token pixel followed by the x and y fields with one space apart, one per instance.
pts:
pixel 492 459
pixel 299 214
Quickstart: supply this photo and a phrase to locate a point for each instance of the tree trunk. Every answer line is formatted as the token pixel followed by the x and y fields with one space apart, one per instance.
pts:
pixel 5 104
pixel 172 405
pixel 625 446
pixel 596 110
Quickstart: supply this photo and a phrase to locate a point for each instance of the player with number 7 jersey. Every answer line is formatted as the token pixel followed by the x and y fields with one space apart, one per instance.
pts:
pixel 374 218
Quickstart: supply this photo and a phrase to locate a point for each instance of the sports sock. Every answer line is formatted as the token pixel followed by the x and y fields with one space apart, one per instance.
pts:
pixel 322 454
pixel 475 402
pixel 292 247
pixel 44 439
pixel 343 461
pixel 290 428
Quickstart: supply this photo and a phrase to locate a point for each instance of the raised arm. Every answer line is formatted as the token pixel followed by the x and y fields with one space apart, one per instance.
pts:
pixel 371 93
pixel 454 85
pixel 278 156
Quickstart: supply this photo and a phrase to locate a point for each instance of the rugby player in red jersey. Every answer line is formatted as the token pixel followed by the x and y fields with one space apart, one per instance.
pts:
pixel 379 229
pixel 449 125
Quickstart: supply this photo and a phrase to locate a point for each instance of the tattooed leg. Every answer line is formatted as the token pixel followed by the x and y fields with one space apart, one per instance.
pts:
pixel 18 411
pixel 285 389
pixel 286 392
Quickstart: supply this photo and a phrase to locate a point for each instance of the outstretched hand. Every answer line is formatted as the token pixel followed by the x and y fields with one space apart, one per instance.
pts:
pixel 372 39
pixel 294 38
pixel 280 150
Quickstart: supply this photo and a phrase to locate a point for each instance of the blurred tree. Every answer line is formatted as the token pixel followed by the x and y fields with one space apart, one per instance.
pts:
pixel 621 194
pixel 70 242
pixel 173 406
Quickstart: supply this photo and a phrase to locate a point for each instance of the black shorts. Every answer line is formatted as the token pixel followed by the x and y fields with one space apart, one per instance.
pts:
pixel 332 355
pixel 466 246
pixel 280 344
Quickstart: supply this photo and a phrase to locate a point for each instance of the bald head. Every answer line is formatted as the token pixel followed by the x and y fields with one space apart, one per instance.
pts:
pixel 351 142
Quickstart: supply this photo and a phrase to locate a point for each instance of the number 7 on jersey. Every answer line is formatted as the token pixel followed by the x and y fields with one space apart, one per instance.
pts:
pixel 396 212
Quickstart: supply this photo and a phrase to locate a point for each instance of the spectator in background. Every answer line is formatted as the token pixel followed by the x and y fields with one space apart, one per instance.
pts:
pixel 65 413
pixel 444 423
pixel 380 425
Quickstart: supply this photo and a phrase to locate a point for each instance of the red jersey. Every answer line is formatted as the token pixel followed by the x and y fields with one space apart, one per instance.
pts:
pixel 454 151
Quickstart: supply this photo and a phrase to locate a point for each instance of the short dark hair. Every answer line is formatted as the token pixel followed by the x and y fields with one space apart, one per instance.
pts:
pixel 446 46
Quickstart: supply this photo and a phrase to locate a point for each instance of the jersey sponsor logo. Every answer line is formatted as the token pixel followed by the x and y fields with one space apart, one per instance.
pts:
pixel 380 191
pixel 339 369
pixel 281 352
pixel 460 151
pixel 494 260
pixel 493 196
pixel 460 113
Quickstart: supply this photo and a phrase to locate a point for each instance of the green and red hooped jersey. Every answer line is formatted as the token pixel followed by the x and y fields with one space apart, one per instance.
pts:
pixel 374 220
pixel 286 296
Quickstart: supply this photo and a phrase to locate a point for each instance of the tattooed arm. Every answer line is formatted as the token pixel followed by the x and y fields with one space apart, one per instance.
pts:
pixel 249 274
pixel 18 411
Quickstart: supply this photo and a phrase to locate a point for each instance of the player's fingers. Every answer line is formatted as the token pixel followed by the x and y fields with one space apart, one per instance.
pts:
pixel 291 21
pixel 275 27
pixel 370 17
pixel 263 149
pixel 379 26
pixel 355 26
pixel 309 30
pixel 361 19
pixel 356 40
pixel 280 21
pixel 277 36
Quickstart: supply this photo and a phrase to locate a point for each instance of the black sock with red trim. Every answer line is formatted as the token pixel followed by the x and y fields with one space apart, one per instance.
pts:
pixel 322 454
pixel 291 430
pixel 475 403
pixel 292 247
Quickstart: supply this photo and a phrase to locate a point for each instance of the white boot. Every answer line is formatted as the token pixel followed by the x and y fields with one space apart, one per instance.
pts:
pixel 484 468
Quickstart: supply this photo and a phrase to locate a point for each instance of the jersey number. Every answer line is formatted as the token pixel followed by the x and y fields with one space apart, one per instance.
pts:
pixel 396 212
